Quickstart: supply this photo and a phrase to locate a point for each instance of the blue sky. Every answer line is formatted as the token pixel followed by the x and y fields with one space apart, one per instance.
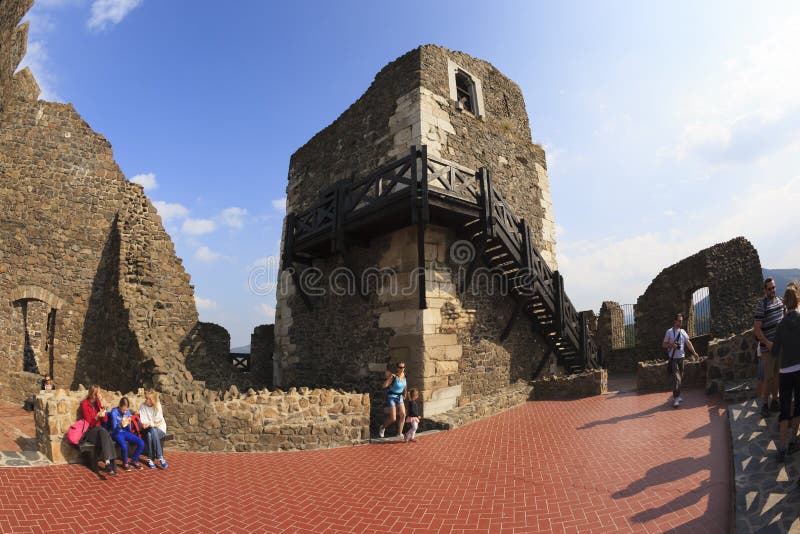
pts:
pixel 669 127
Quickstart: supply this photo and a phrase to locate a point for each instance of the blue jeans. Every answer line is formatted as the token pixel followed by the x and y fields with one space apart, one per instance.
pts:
pixel 154 436
pixel 123 437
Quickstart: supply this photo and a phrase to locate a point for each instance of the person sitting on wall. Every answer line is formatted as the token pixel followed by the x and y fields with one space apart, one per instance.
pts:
pixel 47 383
pixel 675 340
pixel 119 423
pixel 155 427
pixel 769 312
pixel 95 415
pixel 786 348
pixel 395 386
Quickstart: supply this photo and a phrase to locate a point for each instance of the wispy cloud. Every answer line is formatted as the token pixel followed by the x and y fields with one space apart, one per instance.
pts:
pixel 109 12
pixel 198 226
pixel 279 204
pixel 169 211
pixel 206 255
pixel 233 217
pixel 204 304
pixel 37 59
pixel 148 181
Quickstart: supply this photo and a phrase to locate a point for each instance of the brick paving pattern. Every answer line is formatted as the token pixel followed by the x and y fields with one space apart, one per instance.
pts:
pixel 613 463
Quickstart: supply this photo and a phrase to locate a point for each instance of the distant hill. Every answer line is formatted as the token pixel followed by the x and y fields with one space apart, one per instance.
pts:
pixel 782 277
pixel 241 350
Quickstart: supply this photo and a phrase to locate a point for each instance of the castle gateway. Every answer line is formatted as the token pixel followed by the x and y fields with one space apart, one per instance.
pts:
pixel 420 228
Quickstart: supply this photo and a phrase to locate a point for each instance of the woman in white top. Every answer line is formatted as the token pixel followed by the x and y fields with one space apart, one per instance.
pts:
pixel 152 418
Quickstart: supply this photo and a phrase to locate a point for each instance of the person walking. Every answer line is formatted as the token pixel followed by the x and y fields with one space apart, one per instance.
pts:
pixel 786 349
pixel 675 341
pixel 395 386
pixel 769 312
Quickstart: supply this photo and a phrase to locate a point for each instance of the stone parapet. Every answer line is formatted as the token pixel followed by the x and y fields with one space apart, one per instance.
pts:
pixel 651 375
pixel 480 408
pixel 253 421
pixel 587 384
pixel 731 360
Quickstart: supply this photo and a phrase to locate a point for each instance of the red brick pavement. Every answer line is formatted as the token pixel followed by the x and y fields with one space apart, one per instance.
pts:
pixel 17 431
pixel 614 463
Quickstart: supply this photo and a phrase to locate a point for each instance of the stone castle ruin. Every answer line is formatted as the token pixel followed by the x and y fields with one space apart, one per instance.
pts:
pixel 406 218
pixel 419 228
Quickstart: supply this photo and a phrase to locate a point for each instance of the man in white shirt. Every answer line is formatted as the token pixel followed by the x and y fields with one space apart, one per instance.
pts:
pixel 675 340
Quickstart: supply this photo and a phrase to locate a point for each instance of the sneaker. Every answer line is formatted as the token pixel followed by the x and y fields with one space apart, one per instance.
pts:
pixel 151 464
pixel 111 469
pixel 679 399
pixel 163 463
pixel 381 430
pixel 413 440
pixel 126 467
pixel 137 466
pixel 676 403
pixel 774 406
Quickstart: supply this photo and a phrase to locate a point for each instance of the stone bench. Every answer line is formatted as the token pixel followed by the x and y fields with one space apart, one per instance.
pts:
pixel 88 451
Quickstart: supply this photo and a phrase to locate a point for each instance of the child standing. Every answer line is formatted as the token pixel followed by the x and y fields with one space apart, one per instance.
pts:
pixel 412 416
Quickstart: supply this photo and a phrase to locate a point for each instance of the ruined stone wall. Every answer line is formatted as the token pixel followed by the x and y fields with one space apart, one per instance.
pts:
pixel 14 41
pixel 207 349
pixel 91 281
pixel 651 375
pixel 587 384
pixel 262 345
pixel 732 273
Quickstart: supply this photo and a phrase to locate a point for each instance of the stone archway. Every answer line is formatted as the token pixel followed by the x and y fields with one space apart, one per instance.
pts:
pixel 38 311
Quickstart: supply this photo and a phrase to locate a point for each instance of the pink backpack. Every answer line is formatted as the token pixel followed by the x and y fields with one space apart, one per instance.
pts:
pixel 76 431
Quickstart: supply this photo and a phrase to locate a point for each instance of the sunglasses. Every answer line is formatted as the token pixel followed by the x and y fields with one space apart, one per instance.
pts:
pixel 401 366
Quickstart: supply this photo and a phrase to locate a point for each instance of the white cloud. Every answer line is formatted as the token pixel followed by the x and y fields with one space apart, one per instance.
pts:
pixel 105 12
pixel 267 311
pixel 621 269
pixel 148 181
pixel 233 217
pixel 279 204
pixel 169 211
pixel 198 226
pixel 204 304
pixel 206 255
pixel 750 106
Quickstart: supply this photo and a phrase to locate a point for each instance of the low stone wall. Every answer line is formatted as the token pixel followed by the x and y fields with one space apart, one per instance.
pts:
pixel 652 374
pixel 56 410
pixel 252 421
pixel 585 384
pixel 18 386
pixel 731 360
pixel 299 419
pixel 480 408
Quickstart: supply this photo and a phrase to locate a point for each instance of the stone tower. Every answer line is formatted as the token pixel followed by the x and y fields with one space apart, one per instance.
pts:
pixel 434 129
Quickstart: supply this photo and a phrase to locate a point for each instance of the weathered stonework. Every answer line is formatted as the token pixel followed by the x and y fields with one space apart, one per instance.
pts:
pixel 452 348
pixel 586 384
pixel 262 345
pixel 652 375
pixel 731 361
pixel 732 273
pixel 485 406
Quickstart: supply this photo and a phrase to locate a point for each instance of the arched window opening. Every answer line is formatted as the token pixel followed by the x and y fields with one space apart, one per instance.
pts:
pixel 699 323
pixel 465 91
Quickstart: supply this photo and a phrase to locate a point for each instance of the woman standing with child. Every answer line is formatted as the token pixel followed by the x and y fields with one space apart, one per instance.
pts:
pixel 395 386
pixel 152 418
